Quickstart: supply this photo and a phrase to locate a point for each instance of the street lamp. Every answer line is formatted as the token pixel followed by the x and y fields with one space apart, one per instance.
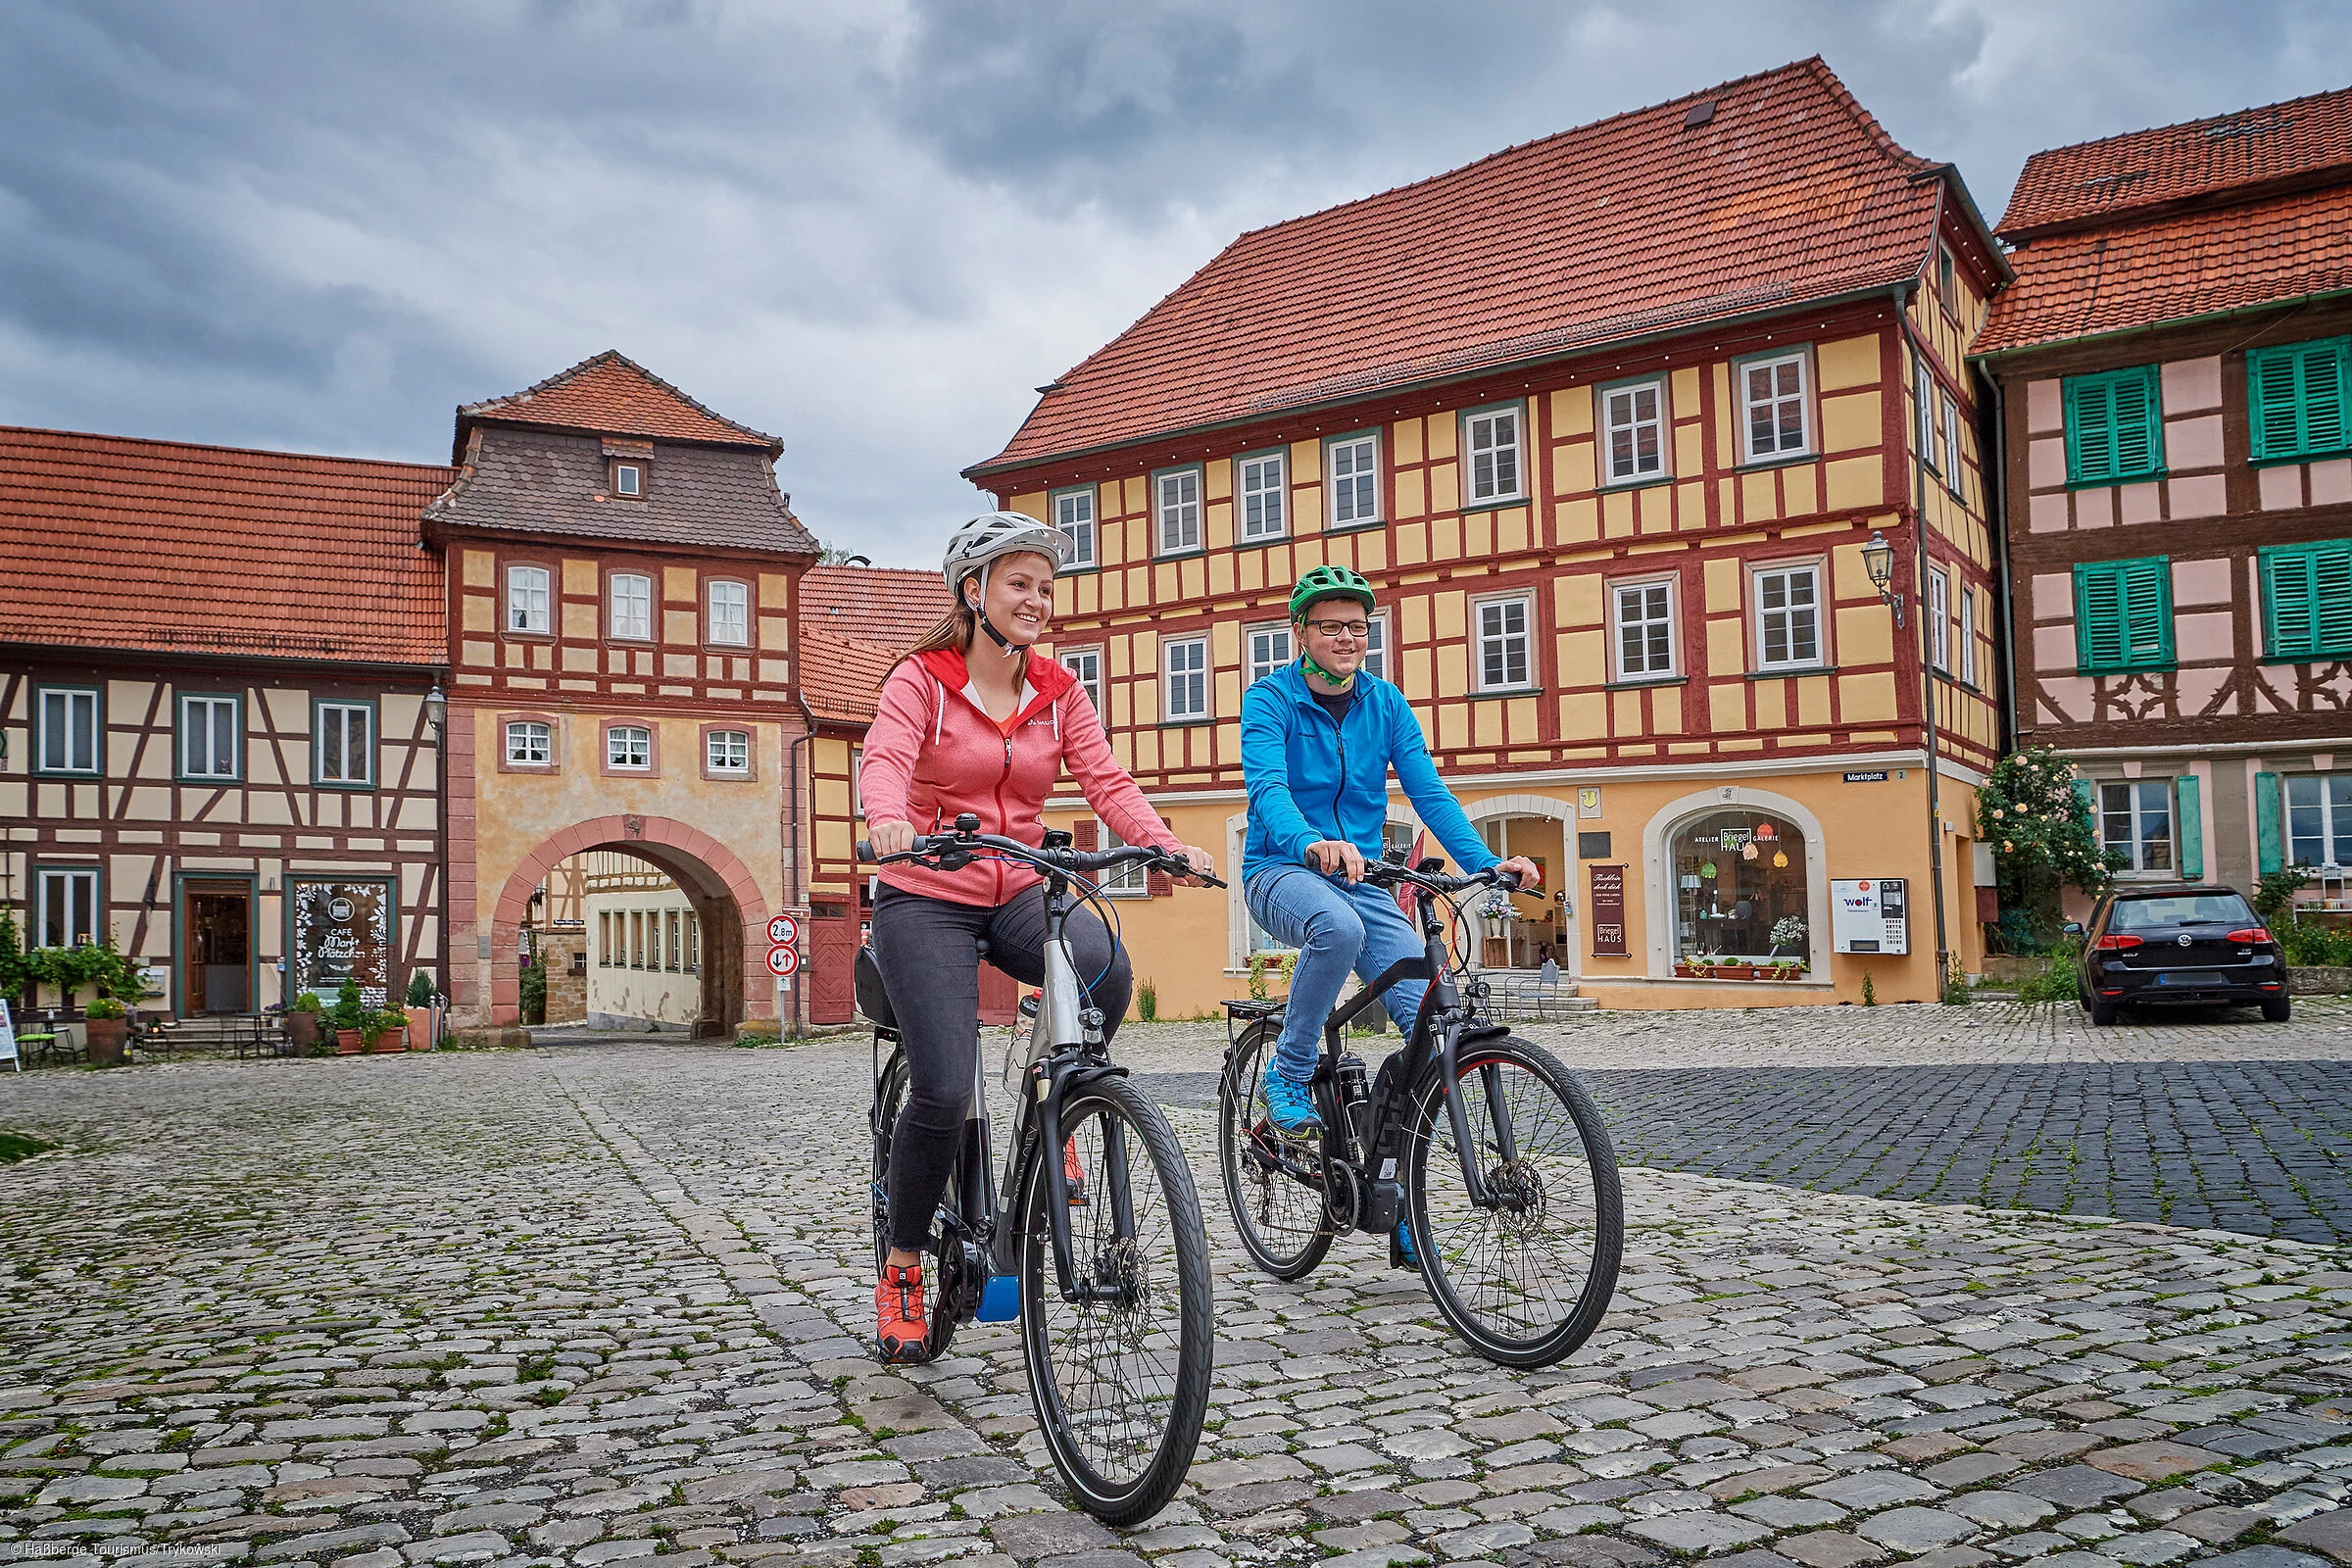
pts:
pixel 436 710
pixel 1878 559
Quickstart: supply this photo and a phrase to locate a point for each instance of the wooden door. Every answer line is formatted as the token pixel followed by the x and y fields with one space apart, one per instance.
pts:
pixel 217 948
pixel 832 976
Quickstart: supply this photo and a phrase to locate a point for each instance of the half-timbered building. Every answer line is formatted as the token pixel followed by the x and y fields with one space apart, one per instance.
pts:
pixel 215 744
pixel 1610 419
pixel 2175 413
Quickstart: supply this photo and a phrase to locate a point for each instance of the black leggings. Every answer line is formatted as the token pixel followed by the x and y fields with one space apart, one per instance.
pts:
pixel 928 953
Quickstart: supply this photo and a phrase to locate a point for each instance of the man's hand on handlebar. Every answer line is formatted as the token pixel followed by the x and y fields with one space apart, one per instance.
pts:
pixel 1530 875
pixel 889 837
pixel 1337 855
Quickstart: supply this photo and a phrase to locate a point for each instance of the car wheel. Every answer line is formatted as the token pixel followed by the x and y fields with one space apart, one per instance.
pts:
pixel 2277 1012
pixel 2101 1013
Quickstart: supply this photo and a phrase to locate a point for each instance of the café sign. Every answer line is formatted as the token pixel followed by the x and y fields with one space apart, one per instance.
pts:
pixel 342 930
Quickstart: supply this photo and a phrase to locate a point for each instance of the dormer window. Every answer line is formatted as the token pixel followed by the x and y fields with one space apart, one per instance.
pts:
pixel 628 480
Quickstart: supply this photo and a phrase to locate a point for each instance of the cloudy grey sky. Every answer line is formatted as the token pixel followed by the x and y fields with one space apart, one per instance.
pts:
pixel 870 227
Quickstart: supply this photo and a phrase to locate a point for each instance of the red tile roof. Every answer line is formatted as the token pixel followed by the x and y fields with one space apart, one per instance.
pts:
pixel 611 394
pixel 1787 192
pixel 841 676
pixel 877 604
pixel 111 542
pixel 2194 264
pixel 2302 142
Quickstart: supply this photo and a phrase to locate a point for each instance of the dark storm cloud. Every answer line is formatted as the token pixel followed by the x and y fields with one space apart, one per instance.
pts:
pixel 870 228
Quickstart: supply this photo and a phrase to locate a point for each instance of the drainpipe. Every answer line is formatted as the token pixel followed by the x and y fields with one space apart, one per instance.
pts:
pixel 1926 643
pixel 794 893
pixel 2005 648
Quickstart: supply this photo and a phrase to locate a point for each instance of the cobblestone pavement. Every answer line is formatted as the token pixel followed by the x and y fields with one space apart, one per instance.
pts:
pixel 595 1304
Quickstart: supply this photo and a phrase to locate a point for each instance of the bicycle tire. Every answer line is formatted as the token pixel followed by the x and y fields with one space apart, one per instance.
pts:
pixel 1251 1188
pixel 1566 1173
pixel 939 1327
pixel 1088 1421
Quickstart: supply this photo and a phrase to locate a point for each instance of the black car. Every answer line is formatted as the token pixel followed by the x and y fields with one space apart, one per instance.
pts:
pixel 2181 943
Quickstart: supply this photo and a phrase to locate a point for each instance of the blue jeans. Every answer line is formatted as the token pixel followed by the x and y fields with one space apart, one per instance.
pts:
pixel 1336 927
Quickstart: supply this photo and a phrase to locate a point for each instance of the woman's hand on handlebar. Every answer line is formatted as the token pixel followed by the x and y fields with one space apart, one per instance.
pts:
pixel 1530 875
pixel 1201 862
pixel 889 837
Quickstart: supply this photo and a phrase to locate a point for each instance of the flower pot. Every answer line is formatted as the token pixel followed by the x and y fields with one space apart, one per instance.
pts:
pixel 103 1038
pixel 350 1042
pixel 390 1040
pixel 420 1031
pixel 302 1032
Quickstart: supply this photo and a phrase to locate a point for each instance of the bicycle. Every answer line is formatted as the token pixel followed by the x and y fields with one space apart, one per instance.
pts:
pixel 1110 1281
pixel 1522 1259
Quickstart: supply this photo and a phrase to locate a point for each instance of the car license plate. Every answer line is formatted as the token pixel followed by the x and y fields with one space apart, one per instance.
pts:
pixel 2189 977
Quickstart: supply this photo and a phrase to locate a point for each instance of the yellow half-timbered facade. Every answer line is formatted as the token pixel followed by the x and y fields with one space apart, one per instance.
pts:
pixel 1621 510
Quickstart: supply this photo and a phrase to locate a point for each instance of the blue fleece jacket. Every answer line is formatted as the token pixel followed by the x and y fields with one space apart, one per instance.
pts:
pixel 1310 779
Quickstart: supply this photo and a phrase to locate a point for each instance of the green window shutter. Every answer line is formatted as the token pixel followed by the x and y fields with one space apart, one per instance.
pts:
pixel 2299 399
pixel 2114 426
pixel 2088 804
pixel 2089 430
pixel 2123 614
pixel 2269 844
pixel 2186 792
pixel 2307 600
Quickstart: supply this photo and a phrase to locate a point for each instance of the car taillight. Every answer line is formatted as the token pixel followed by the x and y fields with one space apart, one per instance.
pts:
pixel 2258 933
pixel 2116 943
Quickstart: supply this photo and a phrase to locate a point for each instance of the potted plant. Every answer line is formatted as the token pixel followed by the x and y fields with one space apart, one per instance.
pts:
pixel 302 1022
pixel 1783 969
pixel 106 1027
pixel 349 1016
pixel 388 1030
pixel 420 1012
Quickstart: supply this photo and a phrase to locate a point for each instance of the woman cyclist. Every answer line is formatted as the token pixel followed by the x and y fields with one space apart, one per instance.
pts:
pixel 969 721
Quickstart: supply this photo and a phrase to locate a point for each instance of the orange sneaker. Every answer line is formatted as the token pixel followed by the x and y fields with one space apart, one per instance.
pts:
pixel 1073 1174
pixel 898 1330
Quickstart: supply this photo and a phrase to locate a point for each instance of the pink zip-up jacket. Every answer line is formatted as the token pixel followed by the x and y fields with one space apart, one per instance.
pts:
pixel 933 753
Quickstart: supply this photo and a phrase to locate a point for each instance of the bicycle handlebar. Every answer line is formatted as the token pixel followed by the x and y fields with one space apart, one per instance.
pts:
pixel 1386 873
pixel 1080 862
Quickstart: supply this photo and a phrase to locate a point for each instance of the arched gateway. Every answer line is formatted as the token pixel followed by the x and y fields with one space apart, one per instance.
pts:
pixel 735 983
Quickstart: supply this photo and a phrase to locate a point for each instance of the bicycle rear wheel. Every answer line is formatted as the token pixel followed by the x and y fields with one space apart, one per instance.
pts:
pixel 1277 1205
pixel 1120 1385
pixel 890 1098
pixel 1525 1281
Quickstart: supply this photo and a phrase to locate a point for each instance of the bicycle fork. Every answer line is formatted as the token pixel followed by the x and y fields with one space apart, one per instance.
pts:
pixel 1498 1114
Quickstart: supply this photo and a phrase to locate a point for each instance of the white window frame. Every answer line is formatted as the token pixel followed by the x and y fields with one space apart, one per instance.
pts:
pixel 1128 881
pixel 81 886
pixel 68 730
pixel 1256 668
pixel 528 591
pixel 2336 848
pixel 1086 664
pixel 857 781
pixel 622 616
pixel 1948 277
pixel 614 758
pixel 1649 590
pixel 1968 633
pixel 1183 672
pixel 1074 514
pixel 2136 791
pixel 1501 638
pixel 1802 397
pixel 1954 471
pixel 1176 505
pixel 1760 620
pixel 1262 480
pixel 1939 620
pixel 628 480
pixel 724 617
pixel 1923 397
pixel 1355 493
pixel 1661 417
pixel 1376 646
pixel 1494 436
pixel 521 729
pixel 720 748
pixel 211 707
pixel 321 751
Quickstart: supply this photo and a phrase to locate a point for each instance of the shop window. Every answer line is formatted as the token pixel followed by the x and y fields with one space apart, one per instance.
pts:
pixel 1740 888
pixel 1269 650
pixel 2136 821
pixel 1262 492
pixel 1074 515
pixel 2318 819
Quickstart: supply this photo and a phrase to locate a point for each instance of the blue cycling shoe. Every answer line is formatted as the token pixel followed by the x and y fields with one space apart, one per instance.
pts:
pixel 1404 1257
pixel 1290 1104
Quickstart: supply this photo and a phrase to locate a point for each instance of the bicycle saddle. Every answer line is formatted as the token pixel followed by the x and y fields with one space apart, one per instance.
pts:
pixel 872 1000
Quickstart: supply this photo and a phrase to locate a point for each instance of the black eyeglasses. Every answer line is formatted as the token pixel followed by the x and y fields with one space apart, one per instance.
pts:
pixel 1343 628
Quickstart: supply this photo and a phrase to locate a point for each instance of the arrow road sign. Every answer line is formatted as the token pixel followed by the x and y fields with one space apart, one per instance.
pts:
pixel 782 960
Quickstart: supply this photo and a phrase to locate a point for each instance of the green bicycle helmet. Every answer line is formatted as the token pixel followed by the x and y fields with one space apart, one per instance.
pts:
pixel 1331 582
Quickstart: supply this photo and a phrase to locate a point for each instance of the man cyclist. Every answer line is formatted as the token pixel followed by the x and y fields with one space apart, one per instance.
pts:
pixel 1318 739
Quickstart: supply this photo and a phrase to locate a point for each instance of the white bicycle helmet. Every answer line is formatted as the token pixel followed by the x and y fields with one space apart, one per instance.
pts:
pixel 976 545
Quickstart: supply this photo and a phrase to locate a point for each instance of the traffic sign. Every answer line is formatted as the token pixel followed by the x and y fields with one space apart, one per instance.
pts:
pixel 783 931
pixel 782 960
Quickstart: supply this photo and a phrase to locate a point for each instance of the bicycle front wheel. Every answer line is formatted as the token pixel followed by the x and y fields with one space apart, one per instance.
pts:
pixel 1526 1280
pixel 1119 1377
